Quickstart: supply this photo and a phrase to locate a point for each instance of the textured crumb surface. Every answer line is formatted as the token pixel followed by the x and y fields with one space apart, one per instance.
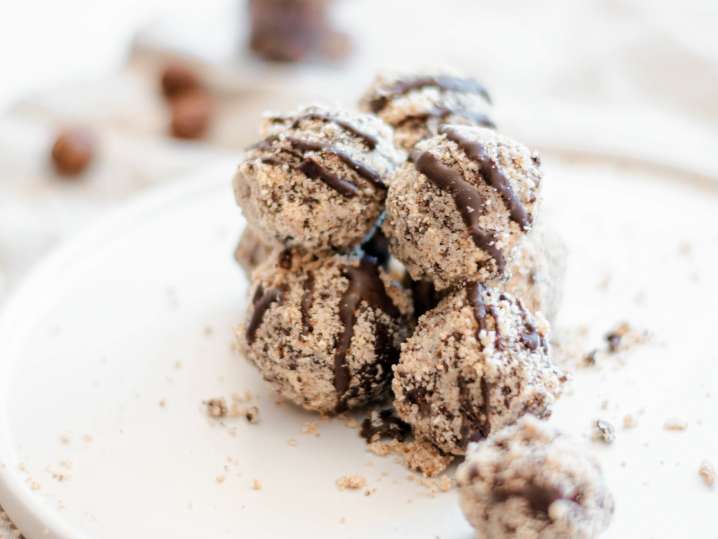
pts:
pixel 538 271
pixel 318 179
pixel 417 104
pixel 458 211
pixel 252 249
pixel 531 481
pixel 324 331
pixel 475 363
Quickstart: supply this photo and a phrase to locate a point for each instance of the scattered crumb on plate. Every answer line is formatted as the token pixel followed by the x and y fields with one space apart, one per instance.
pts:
pixel 707 473
pixel 351 482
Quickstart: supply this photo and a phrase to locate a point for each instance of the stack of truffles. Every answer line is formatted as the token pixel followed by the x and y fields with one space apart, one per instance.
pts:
pixel 398 252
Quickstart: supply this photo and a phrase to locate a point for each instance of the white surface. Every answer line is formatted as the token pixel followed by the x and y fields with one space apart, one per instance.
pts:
pixel 89 346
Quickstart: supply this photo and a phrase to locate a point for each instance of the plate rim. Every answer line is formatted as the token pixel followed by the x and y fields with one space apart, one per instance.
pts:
pixel 23 505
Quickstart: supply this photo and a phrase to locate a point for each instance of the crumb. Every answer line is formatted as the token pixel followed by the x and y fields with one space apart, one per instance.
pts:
pixel 351 423
pixel 425 458
pixel 208 331
pixel 220 479
pixel 629 422
pixel 675 424
pixel 343 520
pixel 437 485
pixel 369 491
pixel 256 485
pixel 351 482
pixel 65 439
pixel 590 358
pixel 87 439
pixel 707 473
pixel 604 431
pixel 623 337
pixel 292 442
pixel 163 403
pixel 421 457
pixel 251 414
pixel 178 365
pixel 310 427
pixel 34 485
pixel 604 405
pixel 604 282
pixel 216 408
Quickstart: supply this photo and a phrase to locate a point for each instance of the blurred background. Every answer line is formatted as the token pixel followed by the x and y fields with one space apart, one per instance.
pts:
pixel 633 77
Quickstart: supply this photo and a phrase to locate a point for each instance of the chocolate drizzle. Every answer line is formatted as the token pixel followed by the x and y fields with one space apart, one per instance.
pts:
pixel 532 339
pixel 365 172
pixel 444 83
pixel 476 151
pixel 467 198
pixel 369 141
pixel 313 169
pixel 443 112
pixel 474 294
pixel 366 286
pixel 307 302
pixel 262 300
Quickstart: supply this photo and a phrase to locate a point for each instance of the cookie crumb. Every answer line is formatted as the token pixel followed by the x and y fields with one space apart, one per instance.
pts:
pixel 216 408
pixel 351 482
pixel 65 439
pixel 310 428
pixel 604 431
pixel 163 403
pixel 629 422
pixel 220 479
pixel 292 442
pixel 251 414
pixel 707 473
pixel 256 485
pixel 675 425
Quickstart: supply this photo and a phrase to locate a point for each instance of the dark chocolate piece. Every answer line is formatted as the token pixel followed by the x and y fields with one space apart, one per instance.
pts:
pixel 384 424
pixel 312 169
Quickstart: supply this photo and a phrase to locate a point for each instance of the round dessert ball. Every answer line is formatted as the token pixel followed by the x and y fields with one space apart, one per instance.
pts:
pixel 476 362
pixel 458 209
pixel 325 331
pixel 538 272
pixel 319 178
pixel 531 481
pixel 417 104
pixel 252 250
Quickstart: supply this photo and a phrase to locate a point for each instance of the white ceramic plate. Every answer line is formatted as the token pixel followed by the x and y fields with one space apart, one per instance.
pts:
pixel 109 349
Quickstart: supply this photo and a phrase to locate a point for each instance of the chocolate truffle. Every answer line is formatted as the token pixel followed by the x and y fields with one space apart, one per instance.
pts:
pixel 458 209
pixel 325 331
pixel 319 178
pixel 72 151
pixel 531 481
pixel 252 250
pixel 294 30
pixel 417 105
pixel 476 362
pixel 538 272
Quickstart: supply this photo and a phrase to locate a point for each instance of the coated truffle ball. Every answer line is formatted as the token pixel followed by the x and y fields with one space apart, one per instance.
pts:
pixel 319 178
pixel 459 209
pixel 324 332
pixel 531 481
pixel 416 105
pixel 476 362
